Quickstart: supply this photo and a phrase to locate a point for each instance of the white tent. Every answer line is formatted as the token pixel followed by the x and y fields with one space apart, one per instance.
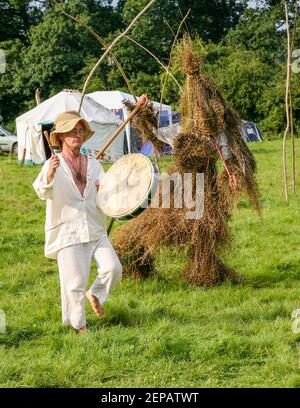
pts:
pixel 113 100
pixel 102 121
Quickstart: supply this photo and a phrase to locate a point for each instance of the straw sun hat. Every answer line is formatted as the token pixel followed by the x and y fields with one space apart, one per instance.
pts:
pixel 65 122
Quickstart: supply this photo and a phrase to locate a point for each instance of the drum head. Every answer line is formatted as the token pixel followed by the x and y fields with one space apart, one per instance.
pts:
pixel 126 185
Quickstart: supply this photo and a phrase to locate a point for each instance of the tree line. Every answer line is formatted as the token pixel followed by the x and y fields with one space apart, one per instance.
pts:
pixel 245 49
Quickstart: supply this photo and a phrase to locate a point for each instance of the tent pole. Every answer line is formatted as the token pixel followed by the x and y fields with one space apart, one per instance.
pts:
pixel 128 137
pixel 127 130
pixel 118 131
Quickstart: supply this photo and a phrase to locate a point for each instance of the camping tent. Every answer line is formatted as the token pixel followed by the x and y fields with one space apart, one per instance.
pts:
pixel 251 132
pixel 113 100
pixel 31 124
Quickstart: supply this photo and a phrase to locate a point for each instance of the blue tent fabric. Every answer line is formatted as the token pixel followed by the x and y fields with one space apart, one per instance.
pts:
pixel 251 133
pixel 148 150
pixel 164 119
pixel 175 117
pixel 48 122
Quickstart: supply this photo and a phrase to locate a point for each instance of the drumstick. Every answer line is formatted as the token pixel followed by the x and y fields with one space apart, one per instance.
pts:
pixel 46 134
pixel 51 147
pixel 118 131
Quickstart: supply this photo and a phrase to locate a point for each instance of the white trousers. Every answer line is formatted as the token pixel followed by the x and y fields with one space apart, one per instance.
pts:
pixel 74 264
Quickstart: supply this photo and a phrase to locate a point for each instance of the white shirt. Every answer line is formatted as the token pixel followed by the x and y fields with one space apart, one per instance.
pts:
pixel 70 217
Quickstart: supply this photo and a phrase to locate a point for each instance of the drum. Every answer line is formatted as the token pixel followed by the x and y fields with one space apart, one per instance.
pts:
pixel 128 186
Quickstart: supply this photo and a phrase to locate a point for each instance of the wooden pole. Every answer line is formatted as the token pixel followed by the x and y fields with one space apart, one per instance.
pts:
pixel 293 146
pixel 291 107
pixel 118 131
pixel 38 96
pixel 23 156
pixel 288 81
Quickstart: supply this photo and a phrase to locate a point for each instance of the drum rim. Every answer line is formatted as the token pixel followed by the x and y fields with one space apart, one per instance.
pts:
pixel 153 179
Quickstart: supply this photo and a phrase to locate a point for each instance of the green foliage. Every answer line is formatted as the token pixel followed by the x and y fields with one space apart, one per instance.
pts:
pixel 11 101
pixel 16 16
pixel 57 53
pixel 250 69
pixel 241 75
pixel 209 19
pixel 155 30
pixel 272 105
pixel 260 30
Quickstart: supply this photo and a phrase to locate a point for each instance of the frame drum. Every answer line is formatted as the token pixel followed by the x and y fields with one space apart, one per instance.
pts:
pixel 128 186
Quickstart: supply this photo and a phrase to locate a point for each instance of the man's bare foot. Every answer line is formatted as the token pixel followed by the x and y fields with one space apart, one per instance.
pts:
pixel 96 305
pixel 82 330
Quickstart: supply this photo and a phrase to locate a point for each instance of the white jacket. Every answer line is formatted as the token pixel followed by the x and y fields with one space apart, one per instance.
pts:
pixel 70 217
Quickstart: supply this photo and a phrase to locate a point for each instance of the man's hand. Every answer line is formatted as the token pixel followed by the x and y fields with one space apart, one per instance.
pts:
pixel 143 102
pixel 53 164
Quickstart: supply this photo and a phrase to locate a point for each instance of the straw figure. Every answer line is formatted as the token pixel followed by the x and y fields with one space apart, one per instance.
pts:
pixel 204 116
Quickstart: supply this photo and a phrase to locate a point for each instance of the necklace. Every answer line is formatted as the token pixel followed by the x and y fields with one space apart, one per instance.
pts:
pixel 77 172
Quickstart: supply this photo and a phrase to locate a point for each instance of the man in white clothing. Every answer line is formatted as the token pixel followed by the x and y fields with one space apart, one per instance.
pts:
pixel 75 226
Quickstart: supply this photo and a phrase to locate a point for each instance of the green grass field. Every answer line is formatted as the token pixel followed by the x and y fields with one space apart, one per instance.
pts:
pixel 158 332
